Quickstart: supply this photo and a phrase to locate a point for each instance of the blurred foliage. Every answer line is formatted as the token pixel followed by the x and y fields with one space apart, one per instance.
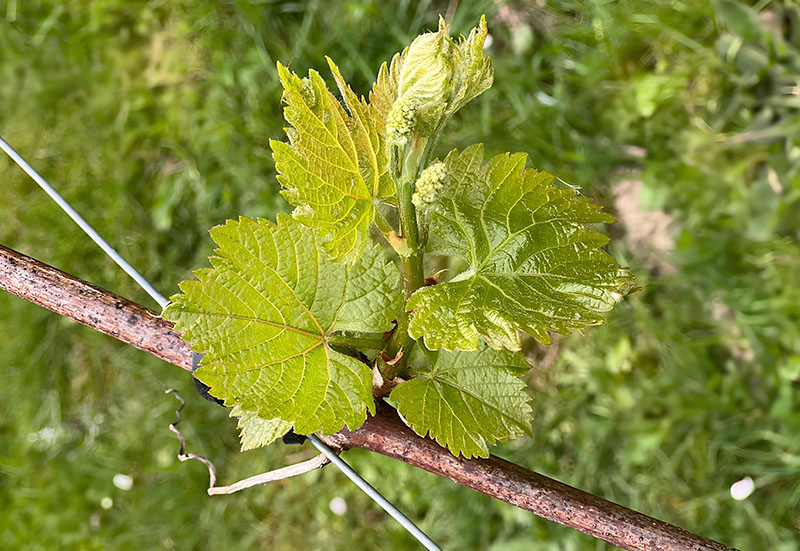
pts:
pixel 153 119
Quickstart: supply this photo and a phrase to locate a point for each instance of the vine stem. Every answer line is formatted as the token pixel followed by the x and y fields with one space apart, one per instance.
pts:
pixel 385 433
pixel 412 162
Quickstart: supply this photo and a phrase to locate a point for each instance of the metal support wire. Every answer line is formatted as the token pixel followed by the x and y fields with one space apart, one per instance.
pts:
pixel 365 486
pixel 84 225
pixel 163 302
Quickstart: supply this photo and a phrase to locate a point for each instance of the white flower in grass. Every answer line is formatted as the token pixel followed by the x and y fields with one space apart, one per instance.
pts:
pixel 743 488
pixel 338 506
pixel 122 481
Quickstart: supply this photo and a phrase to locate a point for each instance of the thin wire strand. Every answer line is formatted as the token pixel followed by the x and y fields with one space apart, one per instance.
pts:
pixel 365 486
pixel 84 225
pixel 348 471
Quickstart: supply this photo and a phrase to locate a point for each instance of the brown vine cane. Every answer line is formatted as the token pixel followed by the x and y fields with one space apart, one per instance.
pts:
pixel 384 433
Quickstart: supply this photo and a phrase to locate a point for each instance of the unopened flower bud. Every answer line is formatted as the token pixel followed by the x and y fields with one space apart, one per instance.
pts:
pixel 436 76
pixel 402 121
pixel 429 186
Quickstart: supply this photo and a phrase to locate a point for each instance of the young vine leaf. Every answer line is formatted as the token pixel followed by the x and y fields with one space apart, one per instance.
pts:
pixel 534 265
pixel 255 432
pixel 429 81
pixel 335 166
pixel 286 311
pixel 467 398
pixel 265 313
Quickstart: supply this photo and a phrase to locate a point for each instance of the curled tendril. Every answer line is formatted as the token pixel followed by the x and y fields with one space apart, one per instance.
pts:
pixel 264 478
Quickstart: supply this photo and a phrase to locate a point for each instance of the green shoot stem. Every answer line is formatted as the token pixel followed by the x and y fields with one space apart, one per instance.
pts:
pixel 416 154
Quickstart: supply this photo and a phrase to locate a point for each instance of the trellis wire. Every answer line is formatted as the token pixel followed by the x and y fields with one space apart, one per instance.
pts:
pixel 84 225
pixel 348 471
pixel 373 493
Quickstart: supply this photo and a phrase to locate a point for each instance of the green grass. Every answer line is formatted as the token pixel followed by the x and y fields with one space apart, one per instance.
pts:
pixel 153 119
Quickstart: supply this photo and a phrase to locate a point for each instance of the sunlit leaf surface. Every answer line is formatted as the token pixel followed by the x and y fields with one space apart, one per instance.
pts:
pixel 534 265
pixel 335 166
pixel 466 399
pixel 263 314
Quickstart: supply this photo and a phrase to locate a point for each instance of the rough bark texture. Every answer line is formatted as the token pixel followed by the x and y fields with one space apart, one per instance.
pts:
pixel 384 433
pixel 388 435
pixel 92 306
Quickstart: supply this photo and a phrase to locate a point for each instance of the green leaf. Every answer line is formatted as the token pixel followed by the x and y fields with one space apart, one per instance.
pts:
pixel 335 166
pixel 255 432
pixel 263 315
pixel 472 70
pixel 534 265
pixel 467 398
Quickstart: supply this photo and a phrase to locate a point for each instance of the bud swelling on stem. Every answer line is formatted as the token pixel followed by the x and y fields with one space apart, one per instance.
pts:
pixel 401 121
pixel 428 187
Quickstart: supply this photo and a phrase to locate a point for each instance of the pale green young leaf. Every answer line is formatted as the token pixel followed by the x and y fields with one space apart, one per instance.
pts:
pixel 472 70
pixel 534 265
pixel 384 90
pixel 255 432
pixel 335 166
pixel 430 80
pixel 263 315
pixel 466 399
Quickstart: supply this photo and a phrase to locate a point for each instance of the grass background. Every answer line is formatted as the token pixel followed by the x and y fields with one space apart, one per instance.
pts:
pixel 153 119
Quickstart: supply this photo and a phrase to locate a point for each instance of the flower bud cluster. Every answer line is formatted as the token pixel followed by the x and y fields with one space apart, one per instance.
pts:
pixel 402 121
pixel 429 186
